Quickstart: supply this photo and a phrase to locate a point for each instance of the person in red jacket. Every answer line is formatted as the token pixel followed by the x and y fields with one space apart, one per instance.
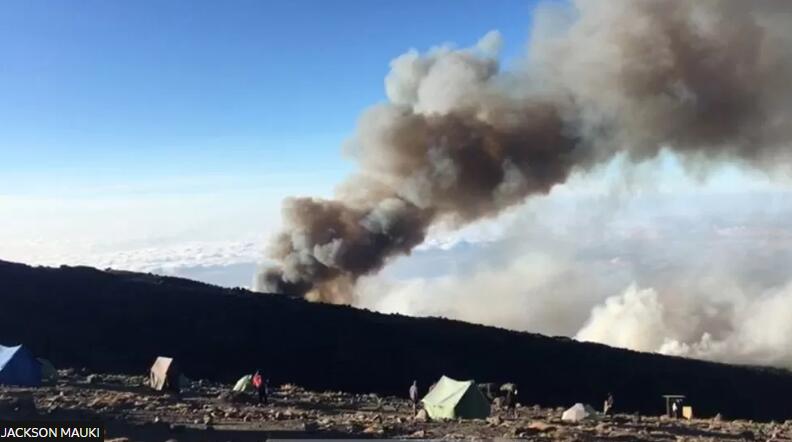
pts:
pixel 261 387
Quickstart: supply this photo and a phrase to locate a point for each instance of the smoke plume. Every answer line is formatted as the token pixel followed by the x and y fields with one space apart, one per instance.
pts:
pixel 703 272
pixel 460 140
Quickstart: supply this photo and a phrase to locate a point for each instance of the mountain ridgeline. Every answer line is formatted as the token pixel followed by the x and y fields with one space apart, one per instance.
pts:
pixel 120 321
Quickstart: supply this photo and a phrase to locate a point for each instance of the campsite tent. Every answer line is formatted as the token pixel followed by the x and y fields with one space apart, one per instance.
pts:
pixel 451 399
pixel 164 374
pixel 19 367
pixel 245 383
pixel 579 412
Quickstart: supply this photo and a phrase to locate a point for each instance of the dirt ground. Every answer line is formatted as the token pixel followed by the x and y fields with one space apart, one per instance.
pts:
pixel 209 412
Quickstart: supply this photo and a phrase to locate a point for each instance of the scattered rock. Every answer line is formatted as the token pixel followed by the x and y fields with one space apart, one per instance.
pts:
pixel 234 397
pixel 374 429
pixel 494 420
pixel 540 426
pixel 91 379
pixel 19 404
pixel 747 435
pixel 352 414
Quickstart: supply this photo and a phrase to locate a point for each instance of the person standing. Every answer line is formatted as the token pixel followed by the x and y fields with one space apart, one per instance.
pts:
pixel 511 402
pixel 414 397
pixel 608 407
pixel 261 387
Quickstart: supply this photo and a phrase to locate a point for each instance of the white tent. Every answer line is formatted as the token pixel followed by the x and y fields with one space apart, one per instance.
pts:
pixel 578 412
pixel 164 374
pixel 245 383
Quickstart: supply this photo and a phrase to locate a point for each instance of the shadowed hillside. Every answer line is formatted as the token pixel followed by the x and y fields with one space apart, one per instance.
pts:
pixel 119 321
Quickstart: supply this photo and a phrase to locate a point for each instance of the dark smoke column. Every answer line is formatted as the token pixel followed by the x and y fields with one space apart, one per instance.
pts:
pixel 454 153
pixel 329 244
pixel 459 140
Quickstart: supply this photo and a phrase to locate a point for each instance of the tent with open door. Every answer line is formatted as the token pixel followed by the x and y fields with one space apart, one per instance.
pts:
pixel 452 399
pixel 19 367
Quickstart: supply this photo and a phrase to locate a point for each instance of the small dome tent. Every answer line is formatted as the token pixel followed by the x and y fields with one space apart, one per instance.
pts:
pixel 452 399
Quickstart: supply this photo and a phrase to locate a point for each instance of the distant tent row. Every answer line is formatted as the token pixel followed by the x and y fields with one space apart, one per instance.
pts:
pixel 19 367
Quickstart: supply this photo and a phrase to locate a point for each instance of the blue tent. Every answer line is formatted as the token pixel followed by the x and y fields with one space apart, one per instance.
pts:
pixel 19 367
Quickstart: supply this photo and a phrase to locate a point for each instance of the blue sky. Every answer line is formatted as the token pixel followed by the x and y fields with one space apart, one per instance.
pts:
pixel 109 94
pixel 155 125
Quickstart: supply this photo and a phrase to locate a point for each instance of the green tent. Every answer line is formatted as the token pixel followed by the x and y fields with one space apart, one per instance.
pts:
pixel 245 383
pixel 451 399
pixel 48 372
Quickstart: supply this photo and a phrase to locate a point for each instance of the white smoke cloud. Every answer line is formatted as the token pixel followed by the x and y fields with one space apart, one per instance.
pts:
pixel 635 319
pixel 752 330
pixel 669 265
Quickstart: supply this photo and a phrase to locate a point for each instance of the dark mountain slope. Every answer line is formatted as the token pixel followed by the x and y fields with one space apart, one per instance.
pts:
pixel 119 321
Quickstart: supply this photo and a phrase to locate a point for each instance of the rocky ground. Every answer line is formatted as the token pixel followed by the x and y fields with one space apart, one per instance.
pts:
pixel 209 412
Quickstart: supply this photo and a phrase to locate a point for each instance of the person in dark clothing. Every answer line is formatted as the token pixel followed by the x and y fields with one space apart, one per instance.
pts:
pixel 511 402
pixel 607 409
pixel 510 399
pixel 261 387
pixel 414 397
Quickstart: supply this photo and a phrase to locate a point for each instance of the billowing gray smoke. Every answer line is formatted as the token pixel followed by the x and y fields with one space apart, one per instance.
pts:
pixel 460 140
